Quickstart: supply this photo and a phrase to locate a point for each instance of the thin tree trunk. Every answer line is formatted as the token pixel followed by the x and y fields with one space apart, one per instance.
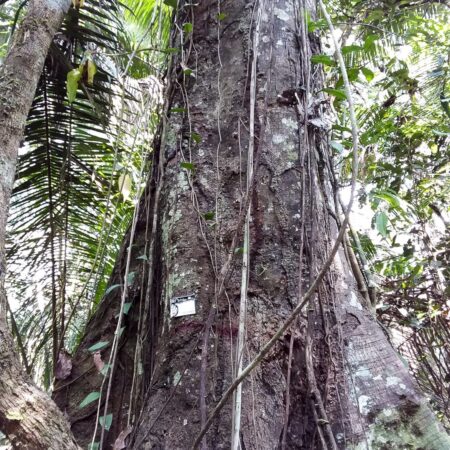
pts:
pixel 348 387
pixel 28 417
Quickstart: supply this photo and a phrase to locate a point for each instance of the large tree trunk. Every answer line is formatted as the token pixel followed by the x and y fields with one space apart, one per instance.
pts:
pixel 28 417
pixel 347 389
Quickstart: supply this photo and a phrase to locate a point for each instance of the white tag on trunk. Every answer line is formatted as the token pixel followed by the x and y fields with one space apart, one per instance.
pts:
pixel 183 306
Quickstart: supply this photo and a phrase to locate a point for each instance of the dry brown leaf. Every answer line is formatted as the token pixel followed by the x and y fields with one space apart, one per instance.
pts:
pixel 120 441
pixel 63 366
pixel 98 361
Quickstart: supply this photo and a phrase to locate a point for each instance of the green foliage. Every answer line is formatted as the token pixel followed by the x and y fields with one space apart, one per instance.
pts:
pixel 323 59
pixel 91 397
pixel 106 421
pixel 86 135
pixel 188 166
pixel 73 77
pixel 397 57
pixel 98 346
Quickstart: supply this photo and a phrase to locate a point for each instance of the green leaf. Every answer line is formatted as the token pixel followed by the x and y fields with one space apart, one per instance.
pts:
pixel 341 128
pixel 388 197
pixel 143 257
pixel 106 421
pixel 368 74
pixel 105 369
pixel 369 41
pixel 188 166
pixel 375 15
pixel 130 278
pixel 171 50
pixel 320 24
pixel 177 110
pixel 338 93
pixel 381 222
pixel 337 146
pixel 90 398
pixel 353 74
pixel 111 288
pixel 121 331
pixel 126 307
pixel 187 27
pixel 209 215
pixel 323 59
pixel 94 446
pixel 91 70
pixel 221 16
pixel 350 49
pixel 196 138
pixel 172 3
pixel 98 346
pixel 73 77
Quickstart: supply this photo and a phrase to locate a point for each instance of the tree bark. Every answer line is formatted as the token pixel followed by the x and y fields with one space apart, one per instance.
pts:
pixel 28 417
pixel 253 89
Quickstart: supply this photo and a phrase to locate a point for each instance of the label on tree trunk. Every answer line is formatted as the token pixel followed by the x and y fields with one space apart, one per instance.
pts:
pixel 183 306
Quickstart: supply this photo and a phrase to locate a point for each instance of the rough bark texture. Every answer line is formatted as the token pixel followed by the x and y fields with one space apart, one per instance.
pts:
pixel 28 417
pixel 347 383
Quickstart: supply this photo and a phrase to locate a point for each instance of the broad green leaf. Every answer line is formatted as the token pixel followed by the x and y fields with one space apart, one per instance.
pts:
pixel 196 138
pixel 209 215
pixel 369 41
pixel 338 93
pixel 106 421
pixel 171 50
pixel 388 197
pixel 323 59
pixel 73 77
pixel 368 74
pixel 320 24
pixel 126 307
pixel 121 331
pixel 375 15
pixel 105 369
pixel 188 166
pixel 341 128
pixel 187 27
pixel 130 278
pixel 350 49
pixel 337 146
pixel 91 71
pixel 98 346
pixel 111 288
pixel 381 222
pixel 172 3
pixel 177 110
pixel 353 74
pixel 90 398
